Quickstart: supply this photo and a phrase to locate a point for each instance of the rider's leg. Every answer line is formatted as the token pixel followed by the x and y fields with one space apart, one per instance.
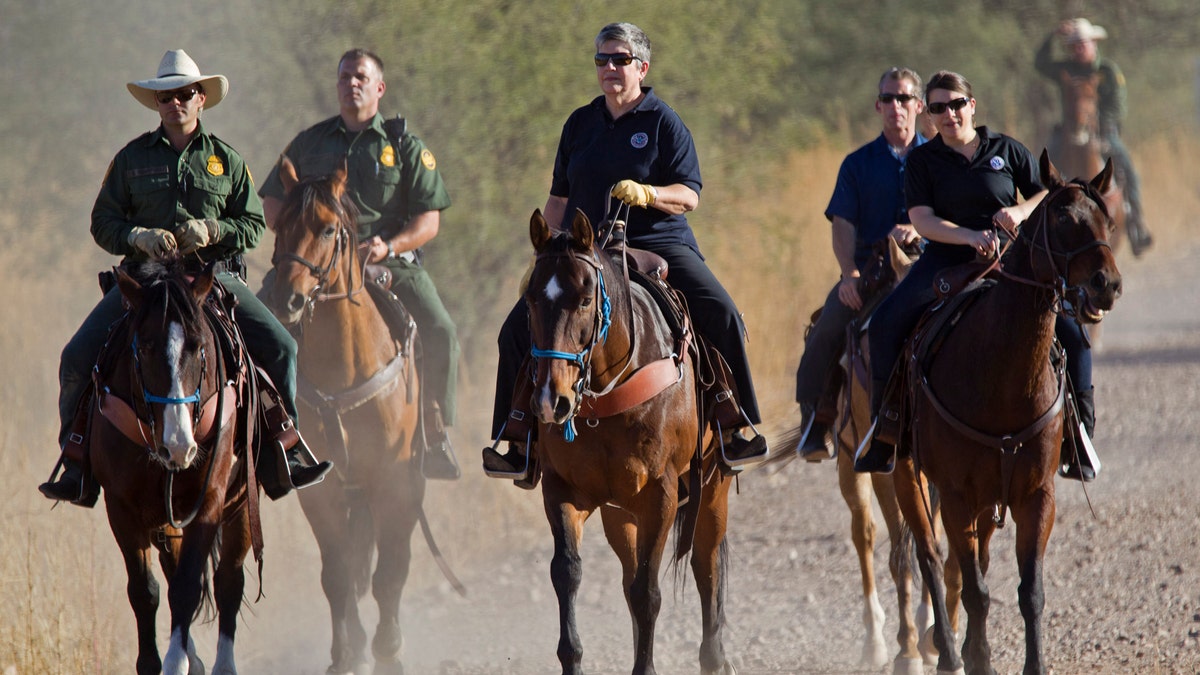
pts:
pixel 274 350
pixel 716 319
pixel 439 370
pixel 74 375
pixel 822 348
pixel 1135 224
pixel 893 321
pixel 513 343
pixel 1080 464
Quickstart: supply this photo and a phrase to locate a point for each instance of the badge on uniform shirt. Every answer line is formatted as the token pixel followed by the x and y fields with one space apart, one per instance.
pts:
pixel 215 167
pixel 996 163
pixel 388 156
pixel 639 140
pixel 428 160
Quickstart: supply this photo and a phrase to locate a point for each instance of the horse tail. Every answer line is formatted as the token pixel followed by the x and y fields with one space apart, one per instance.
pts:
pixel 206 610
pixel 362 540
pixel 903 557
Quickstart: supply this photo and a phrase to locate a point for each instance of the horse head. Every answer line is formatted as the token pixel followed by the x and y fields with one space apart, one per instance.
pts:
pixel 1067 240
pixel 569 314
pixel 315 241
pixel 173 354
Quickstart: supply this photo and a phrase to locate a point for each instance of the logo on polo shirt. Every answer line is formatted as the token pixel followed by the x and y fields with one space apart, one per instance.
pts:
pixel 996 163
pixel 639 140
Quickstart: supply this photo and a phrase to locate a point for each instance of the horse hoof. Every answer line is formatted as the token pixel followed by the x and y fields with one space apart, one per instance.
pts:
pixel 874 655
pixel 908 665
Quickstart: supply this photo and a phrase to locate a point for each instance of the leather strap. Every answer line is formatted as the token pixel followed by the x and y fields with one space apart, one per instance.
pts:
pixel 644 384
pixel 123 417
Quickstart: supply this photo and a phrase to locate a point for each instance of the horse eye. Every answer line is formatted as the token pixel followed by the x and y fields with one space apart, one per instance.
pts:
pixel 585 303
pixel 329 232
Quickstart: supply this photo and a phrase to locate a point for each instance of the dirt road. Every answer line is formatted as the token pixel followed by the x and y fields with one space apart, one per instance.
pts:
pixel 1122 585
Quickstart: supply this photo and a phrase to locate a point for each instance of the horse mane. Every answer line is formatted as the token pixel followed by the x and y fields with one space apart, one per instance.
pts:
pixel 167 291
pixel 314 193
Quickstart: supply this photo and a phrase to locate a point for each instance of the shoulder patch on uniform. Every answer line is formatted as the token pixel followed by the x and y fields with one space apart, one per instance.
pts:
pixel 388 156
pixel 428 160
pixel 215 167
pixel 1120 79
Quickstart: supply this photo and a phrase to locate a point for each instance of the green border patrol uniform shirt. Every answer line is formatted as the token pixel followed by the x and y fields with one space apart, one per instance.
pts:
pixel 150 184
pixel 388 186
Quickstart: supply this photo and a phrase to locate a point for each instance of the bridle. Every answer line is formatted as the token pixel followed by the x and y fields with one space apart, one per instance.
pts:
pixel 602 320
pixel 343 241
pixel 1059 262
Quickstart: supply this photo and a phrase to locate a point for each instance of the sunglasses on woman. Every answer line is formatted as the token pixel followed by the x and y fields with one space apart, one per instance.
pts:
pixel 619 60
pixel 955 105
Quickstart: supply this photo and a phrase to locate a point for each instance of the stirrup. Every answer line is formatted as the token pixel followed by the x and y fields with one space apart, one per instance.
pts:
pixel 1082 460
pixel 518 474
pixel 867 456
pixel 753 449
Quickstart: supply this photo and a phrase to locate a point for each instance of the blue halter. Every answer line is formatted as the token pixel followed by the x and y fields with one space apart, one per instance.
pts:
pixel 166 400
pixel 580 359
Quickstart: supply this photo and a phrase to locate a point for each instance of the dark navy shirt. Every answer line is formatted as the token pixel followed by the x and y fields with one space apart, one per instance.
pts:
pixel 870 194
pixel 968 192
pixel 648 144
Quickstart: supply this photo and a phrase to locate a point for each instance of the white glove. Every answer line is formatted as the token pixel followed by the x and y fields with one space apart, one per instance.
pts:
pixel 155 243
pixel 634 193
pixel 196 234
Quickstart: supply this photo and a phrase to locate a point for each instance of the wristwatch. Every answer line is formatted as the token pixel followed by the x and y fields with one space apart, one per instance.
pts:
pixel 391 252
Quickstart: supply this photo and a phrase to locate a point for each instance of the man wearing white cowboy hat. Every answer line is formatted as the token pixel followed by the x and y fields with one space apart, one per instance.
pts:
pixel 1078 37
pixel 177 192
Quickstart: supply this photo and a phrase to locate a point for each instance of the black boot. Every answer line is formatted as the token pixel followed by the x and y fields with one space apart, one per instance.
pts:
pixel 302 474
pixel 816 444
pixel 877 453
pixel 1140 239
pixel 438 462
pixel 515 464
pixel 1079 460
pixel 737 450
pixel 69 487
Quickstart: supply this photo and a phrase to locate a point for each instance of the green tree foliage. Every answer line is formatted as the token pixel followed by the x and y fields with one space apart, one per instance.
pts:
pixel 488 83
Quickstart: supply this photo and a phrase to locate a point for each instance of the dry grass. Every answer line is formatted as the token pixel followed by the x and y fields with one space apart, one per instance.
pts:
pixel 61 581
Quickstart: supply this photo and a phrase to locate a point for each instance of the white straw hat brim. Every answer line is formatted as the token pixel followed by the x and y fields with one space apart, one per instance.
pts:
pixel 178 70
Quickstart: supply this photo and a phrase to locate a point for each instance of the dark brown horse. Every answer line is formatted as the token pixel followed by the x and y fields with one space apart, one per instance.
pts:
pixel 593 334
pixel 1078 146
pixel 165 449
pixel 358 396
pixel 988 417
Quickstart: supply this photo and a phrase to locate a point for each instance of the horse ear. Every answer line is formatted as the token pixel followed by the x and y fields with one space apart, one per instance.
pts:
pixel 581 232
pixel 130 288
pixel 203 284
pixel 339 179
pixel 1102 179
pixel 1050 176
pixel 287 174
pixel 539 230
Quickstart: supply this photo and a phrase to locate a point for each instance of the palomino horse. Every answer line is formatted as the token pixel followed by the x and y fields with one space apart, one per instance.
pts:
pixel 988 423
pixel 1077 144
pixel 164 437
pixel 358 389
pixel 595 338
pixel 889 264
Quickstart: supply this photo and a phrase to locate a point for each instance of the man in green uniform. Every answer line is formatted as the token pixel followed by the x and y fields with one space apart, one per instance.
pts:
pixel 393 179
pixel 1078 37
pixel 178 191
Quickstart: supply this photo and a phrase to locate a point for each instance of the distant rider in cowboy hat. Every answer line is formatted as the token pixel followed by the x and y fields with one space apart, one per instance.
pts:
pixel 1078 37
pixel 178 191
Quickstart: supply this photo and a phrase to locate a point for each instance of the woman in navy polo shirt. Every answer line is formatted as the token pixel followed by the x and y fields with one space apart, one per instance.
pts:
pixel 630 139
pixel 959 187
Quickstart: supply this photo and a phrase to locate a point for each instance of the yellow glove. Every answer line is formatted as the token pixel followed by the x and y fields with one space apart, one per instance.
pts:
pixel 155 243
pixel 196 234
pixel 634 193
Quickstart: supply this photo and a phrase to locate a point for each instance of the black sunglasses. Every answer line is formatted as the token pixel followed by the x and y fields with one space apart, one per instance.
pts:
pixel 903 99
pixel 619 60
pixel 182 95
pixel 955 105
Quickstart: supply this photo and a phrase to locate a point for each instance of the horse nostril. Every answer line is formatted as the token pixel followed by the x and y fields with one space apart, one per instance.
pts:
pixel 1099 281
pixel 562 407
pixel 296 302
